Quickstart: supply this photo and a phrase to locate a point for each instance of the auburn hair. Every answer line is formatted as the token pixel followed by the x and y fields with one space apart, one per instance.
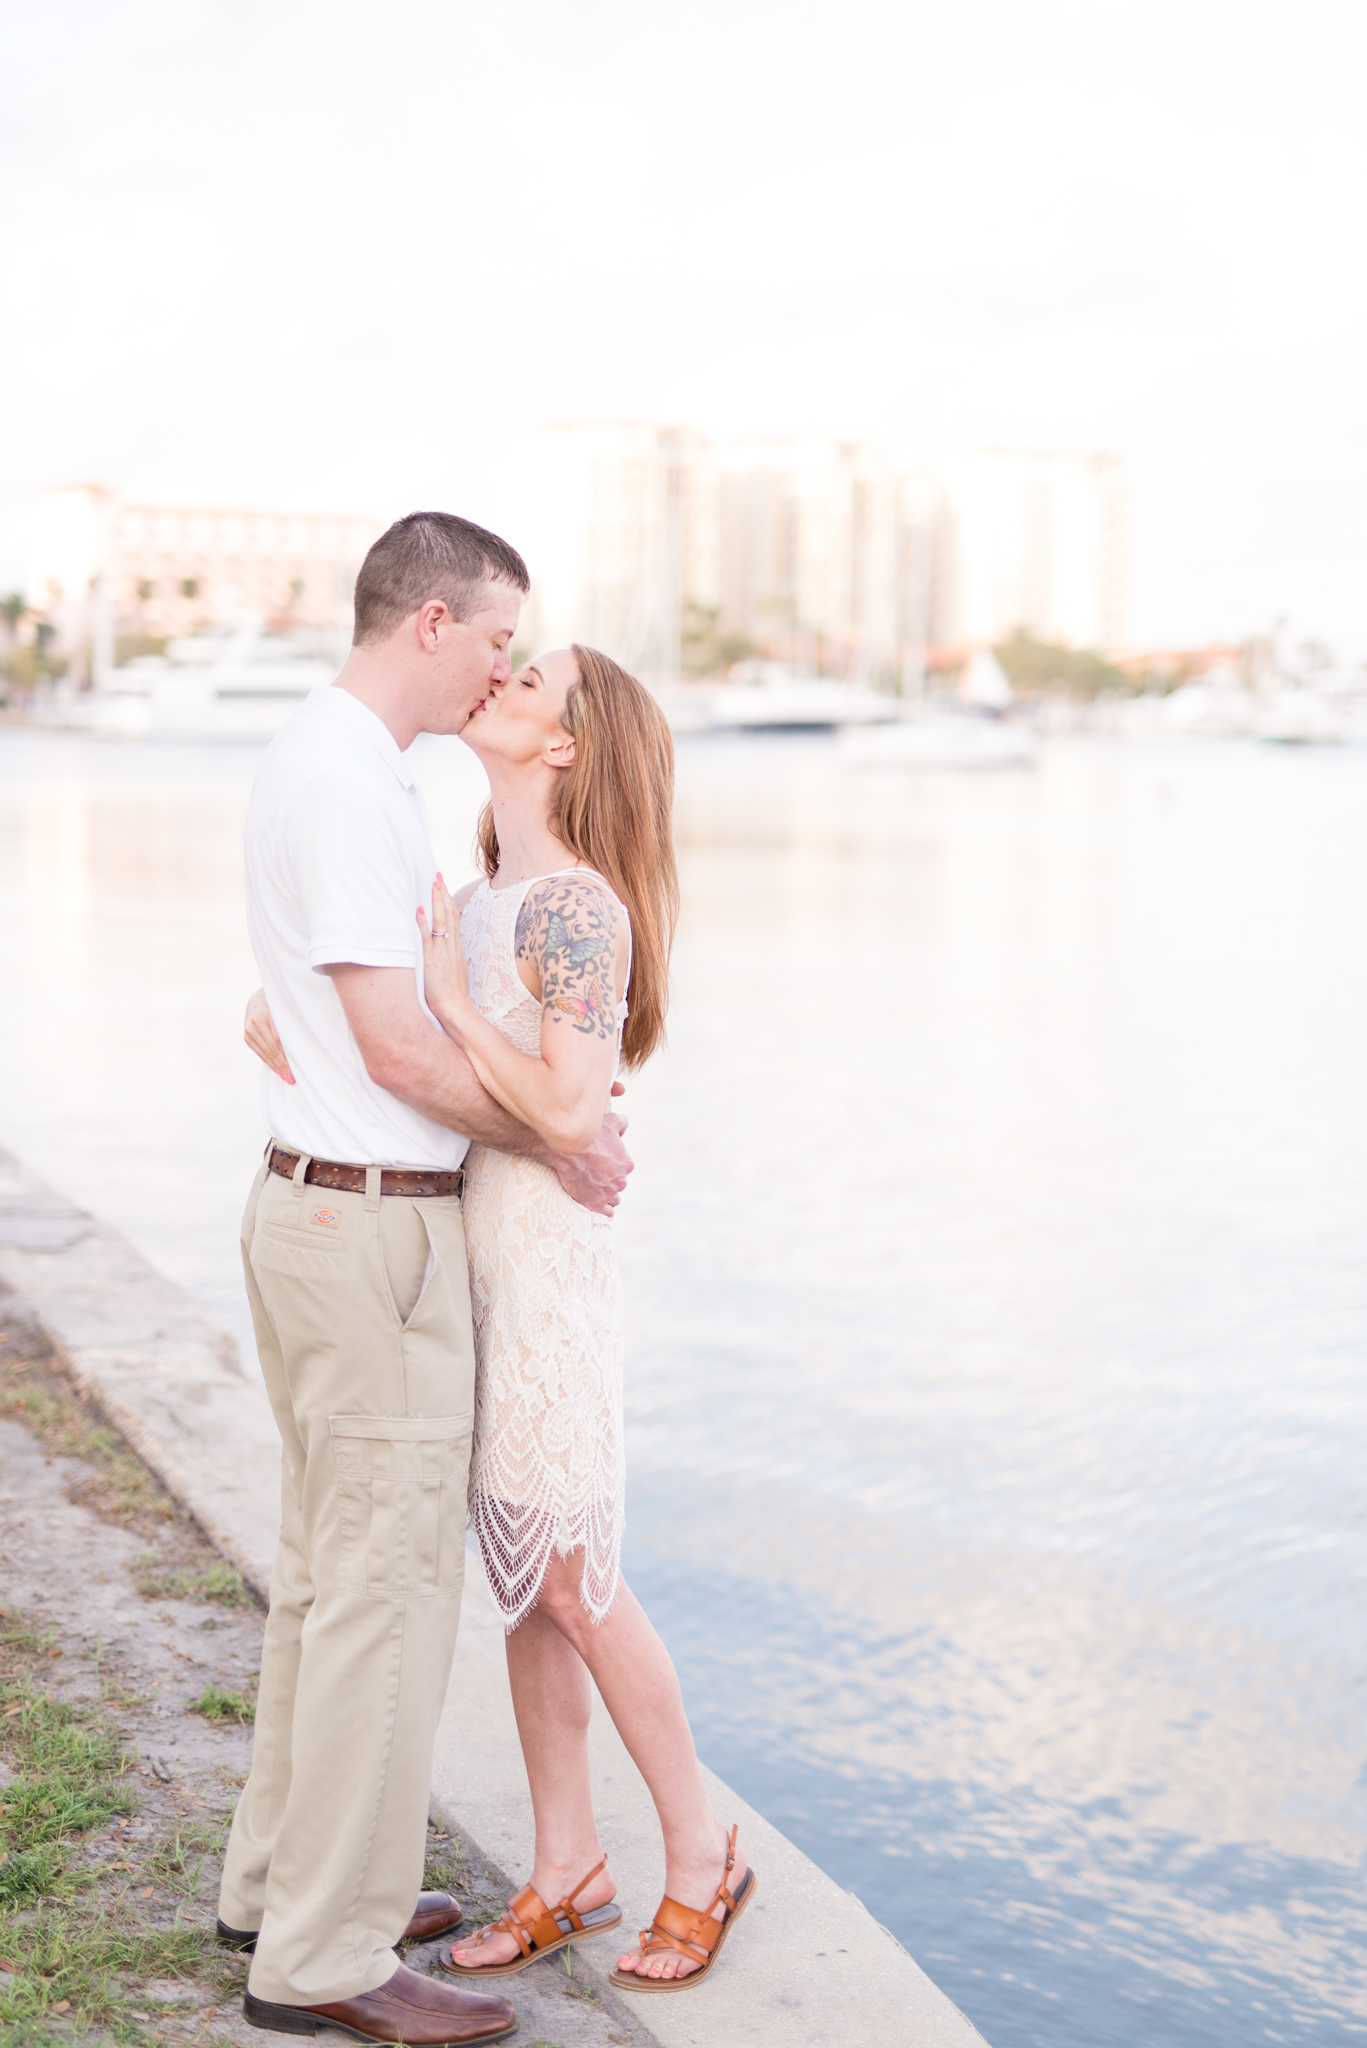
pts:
pixel 612 810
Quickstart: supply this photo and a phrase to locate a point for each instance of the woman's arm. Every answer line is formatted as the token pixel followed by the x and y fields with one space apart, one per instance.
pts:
pixel 258 1028
pixel 571 947
pixel 382 1019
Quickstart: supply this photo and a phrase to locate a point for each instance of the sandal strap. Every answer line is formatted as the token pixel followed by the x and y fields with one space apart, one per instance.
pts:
pixel 530 1921
pixel 505 1924
pixel 684 1928
pixel 535 1925
pixel 566 1905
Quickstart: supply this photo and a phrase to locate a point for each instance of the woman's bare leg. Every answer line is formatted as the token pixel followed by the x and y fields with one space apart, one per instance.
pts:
pixel 551 1700
pixel 547 1658
pixel 632 1670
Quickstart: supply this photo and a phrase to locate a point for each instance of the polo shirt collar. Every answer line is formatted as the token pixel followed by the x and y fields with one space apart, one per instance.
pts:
pixel 364 722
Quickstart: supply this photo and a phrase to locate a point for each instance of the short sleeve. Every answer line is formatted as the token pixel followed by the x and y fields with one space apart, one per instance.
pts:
pixel 354 876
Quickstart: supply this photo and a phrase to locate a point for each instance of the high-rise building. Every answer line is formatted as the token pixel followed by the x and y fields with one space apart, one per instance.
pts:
pixel 1033 539
pixel 678 556
pixel 620 537
pixel 825 557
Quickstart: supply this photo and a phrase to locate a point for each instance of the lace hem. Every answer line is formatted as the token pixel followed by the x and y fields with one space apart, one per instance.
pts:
pixel 516 1545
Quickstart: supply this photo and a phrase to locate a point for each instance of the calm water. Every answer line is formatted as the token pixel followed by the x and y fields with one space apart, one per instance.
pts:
pixel 998 1302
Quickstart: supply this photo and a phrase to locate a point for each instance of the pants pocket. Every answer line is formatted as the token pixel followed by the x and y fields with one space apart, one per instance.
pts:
pixel 401 1487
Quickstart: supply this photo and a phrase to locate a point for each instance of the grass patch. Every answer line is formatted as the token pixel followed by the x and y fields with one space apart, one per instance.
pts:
pixel 120 1488
pixel 116 1485
pixel 216 1581
pixel 16 1634
pixel 177 1861
pixel 446 1868
pixel 69 1777
pixel 75 1966
pixel 217 1703
pixel 101 1945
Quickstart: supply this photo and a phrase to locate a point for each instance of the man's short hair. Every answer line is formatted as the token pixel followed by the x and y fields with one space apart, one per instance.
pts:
pixel 424 556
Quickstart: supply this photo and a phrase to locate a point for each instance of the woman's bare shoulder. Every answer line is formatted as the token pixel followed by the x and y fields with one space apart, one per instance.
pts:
pixel 462 896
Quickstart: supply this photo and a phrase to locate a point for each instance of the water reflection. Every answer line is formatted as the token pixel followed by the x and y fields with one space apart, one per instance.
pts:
pixel 997 1296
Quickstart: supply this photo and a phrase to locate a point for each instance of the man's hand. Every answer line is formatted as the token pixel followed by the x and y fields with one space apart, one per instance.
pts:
pixel 595 1179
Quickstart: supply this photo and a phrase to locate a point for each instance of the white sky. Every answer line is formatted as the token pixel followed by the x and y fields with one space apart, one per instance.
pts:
pixel 339 253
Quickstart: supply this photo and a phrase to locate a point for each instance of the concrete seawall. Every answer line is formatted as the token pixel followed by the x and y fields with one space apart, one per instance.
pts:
pixel 809 1968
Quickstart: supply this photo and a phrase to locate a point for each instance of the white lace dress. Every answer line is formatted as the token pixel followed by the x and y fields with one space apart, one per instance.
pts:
pixel 547 1471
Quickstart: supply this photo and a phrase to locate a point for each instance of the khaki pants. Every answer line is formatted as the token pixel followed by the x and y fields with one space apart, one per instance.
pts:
pixel 371 1377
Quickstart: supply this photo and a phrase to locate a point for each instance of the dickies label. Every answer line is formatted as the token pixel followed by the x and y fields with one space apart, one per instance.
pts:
pixel 327 1219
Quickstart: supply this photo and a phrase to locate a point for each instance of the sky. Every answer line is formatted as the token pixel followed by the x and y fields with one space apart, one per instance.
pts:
pixel 340 255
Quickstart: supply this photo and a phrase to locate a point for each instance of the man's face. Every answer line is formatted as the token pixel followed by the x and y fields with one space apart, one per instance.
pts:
pixel 474 654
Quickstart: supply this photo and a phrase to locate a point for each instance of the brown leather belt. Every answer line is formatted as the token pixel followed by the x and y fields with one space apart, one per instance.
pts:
pixel 350 1180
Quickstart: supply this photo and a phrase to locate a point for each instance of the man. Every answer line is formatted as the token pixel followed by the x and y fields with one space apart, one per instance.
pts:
pixel 355 1264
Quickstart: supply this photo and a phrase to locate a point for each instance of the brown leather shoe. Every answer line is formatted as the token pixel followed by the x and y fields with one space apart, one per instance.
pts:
pixel 409 2008
pixel 435 1913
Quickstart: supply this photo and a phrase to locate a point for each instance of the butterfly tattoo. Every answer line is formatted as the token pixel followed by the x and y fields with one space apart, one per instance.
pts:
pixel 558 941
pixel 589 1009
pixel 569 930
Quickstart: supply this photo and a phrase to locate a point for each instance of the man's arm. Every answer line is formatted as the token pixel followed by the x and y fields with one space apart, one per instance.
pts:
pixel 407 1055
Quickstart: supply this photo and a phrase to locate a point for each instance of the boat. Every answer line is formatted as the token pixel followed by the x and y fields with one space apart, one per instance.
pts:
pixel 234 682
pixel 769 696
pixel 1330 710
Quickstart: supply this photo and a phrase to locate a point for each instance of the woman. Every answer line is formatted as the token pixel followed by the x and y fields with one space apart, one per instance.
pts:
pixel 547 972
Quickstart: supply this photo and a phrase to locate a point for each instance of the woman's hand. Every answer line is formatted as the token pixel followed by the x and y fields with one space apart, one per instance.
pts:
pixel 444 984
pixel 258 1028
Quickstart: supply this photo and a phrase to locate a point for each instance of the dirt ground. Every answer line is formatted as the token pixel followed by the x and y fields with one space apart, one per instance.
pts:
pixel 128 1657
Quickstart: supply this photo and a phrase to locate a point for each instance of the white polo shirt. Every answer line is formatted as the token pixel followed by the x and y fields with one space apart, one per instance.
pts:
pixel 338 859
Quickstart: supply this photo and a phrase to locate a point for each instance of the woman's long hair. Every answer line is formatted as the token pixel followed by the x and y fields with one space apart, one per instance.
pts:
pixel 612 811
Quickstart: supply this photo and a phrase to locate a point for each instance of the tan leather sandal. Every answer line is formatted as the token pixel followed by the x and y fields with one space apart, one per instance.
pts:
pixel 689 1932
pixel 538 1929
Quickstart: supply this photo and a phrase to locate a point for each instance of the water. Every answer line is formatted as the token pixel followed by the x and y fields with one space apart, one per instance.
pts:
pixel 997 1296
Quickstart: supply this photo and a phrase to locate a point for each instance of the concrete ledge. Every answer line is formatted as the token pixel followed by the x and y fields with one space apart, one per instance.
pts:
pixel 809 1967
pixel 166 1376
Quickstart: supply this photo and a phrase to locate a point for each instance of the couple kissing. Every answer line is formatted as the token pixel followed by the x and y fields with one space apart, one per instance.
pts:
pixel 429 1262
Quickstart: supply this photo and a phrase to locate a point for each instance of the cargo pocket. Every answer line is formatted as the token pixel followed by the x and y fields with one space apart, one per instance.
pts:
pixel 401 1484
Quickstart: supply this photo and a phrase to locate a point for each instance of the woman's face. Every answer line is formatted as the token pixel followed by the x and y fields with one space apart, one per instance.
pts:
pixel 522 720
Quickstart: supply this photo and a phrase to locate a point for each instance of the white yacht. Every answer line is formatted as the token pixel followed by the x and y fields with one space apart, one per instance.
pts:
pixel 768 695
pixel 233 682
pixel 967 731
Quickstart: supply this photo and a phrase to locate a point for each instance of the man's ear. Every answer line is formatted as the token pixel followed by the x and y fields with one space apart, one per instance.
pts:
pixel 560 751
pixel 432 616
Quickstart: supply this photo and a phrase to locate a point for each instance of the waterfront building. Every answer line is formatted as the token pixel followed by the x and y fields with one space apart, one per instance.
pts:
pixel 680 556
pixel 620 538
pixel 116 578
pixel 826 558
pixel 1035 539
